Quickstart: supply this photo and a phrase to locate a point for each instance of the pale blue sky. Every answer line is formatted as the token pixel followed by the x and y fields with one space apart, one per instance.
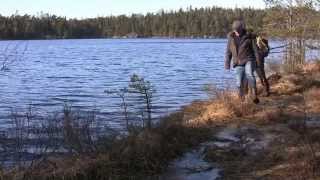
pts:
pixel 93 8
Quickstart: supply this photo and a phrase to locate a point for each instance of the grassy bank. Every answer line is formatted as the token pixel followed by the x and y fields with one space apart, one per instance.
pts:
pixel 140 154
pixel 291 116
pixel 144 154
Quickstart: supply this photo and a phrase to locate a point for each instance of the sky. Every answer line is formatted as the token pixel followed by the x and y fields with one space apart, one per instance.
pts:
pixel 94 8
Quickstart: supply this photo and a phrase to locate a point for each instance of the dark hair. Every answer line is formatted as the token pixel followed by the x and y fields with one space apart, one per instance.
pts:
pixel 238 25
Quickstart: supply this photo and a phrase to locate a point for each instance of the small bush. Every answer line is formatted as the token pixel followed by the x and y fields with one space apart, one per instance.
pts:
pixel 230 101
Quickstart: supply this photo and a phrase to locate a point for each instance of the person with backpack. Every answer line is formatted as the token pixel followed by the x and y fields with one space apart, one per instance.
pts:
pixel 243 52
pixel 263 49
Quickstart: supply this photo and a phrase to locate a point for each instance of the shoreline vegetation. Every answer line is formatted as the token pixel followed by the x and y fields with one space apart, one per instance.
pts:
pixel 277 139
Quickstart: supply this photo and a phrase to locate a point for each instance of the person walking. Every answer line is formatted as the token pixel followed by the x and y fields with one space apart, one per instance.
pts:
pixel 263 49
pixel 243 52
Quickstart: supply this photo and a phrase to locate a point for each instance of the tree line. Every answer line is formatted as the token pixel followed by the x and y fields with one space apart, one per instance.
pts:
pixel 298 23
pixel 190 22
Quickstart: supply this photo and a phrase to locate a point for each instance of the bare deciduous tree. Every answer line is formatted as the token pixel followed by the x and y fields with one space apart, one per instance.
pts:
pixel 296 21
pixel 122 94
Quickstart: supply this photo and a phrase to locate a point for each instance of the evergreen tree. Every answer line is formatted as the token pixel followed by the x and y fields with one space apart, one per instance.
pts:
pixel 190 22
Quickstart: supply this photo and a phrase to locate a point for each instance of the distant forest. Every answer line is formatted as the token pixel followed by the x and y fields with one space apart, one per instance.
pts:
pixel 190 22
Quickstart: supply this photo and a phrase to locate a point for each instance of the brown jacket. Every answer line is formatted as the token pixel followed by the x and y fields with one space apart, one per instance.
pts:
pixel 247 50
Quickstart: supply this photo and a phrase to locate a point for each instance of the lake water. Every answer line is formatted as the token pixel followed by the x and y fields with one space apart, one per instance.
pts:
pixel 50 73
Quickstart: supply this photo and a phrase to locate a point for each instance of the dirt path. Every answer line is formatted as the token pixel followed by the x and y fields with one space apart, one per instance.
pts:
pixel 269 142
pixel 204 163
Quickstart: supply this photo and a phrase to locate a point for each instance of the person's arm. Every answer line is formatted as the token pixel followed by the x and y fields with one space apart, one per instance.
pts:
pixel 267 43
pixel 256 52
pixel 228 55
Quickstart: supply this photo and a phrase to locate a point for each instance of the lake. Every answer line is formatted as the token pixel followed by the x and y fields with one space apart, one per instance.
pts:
pixel 46 74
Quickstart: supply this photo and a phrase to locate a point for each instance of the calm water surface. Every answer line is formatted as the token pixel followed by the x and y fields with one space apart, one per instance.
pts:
pixel 54 72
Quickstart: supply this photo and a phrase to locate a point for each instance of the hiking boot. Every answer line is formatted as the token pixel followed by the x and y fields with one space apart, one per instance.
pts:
pixel 267 89
pixel 254 95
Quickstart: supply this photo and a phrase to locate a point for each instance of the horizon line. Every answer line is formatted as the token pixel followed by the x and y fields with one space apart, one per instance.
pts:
pixel 185 9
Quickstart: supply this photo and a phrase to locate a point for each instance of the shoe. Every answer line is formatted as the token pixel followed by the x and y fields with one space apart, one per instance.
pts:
pixel 256 101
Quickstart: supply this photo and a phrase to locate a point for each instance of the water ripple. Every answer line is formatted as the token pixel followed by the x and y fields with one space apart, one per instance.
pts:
pixel 79 71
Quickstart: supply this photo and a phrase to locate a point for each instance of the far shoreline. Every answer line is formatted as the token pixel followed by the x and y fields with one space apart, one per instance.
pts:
pixel 116 38
pixel 133 38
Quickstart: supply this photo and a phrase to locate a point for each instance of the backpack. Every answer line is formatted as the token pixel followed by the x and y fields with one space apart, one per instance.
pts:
pixel 263 46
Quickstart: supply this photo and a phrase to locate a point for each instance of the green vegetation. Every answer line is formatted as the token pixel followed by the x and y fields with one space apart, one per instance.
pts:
pixel 142 91
pixel 285 118
pixel 193 22
pixel 145 91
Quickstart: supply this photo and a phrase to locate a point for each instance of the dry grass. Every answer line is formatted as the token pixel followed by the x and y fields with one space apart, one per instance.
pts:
pixel 300 160
pixel 224 106
pixel 270 115
pixel 288 85
pixel 296 83
pixel 141 154
pixel 312 100
pixel 311 67
pixel 145 153
pixel 296 155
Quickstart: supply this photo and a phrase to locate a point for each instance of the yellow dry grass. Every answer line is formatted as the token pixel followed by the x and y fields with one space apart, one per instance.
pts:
pixel 311 67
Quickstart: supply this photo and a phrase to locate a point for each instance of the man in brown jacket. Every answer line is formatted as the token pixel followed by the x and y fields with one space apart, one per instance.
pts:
pixel 243 52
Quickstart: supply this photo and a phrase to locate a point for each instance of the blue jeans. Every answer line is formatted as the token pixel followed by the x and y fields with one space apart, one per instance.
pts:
pixel 244 73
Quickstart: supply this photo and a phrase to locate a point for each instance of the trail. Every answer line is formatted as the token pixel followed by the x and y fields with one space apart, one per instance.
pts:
pixel 244 140
pixel 242 148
